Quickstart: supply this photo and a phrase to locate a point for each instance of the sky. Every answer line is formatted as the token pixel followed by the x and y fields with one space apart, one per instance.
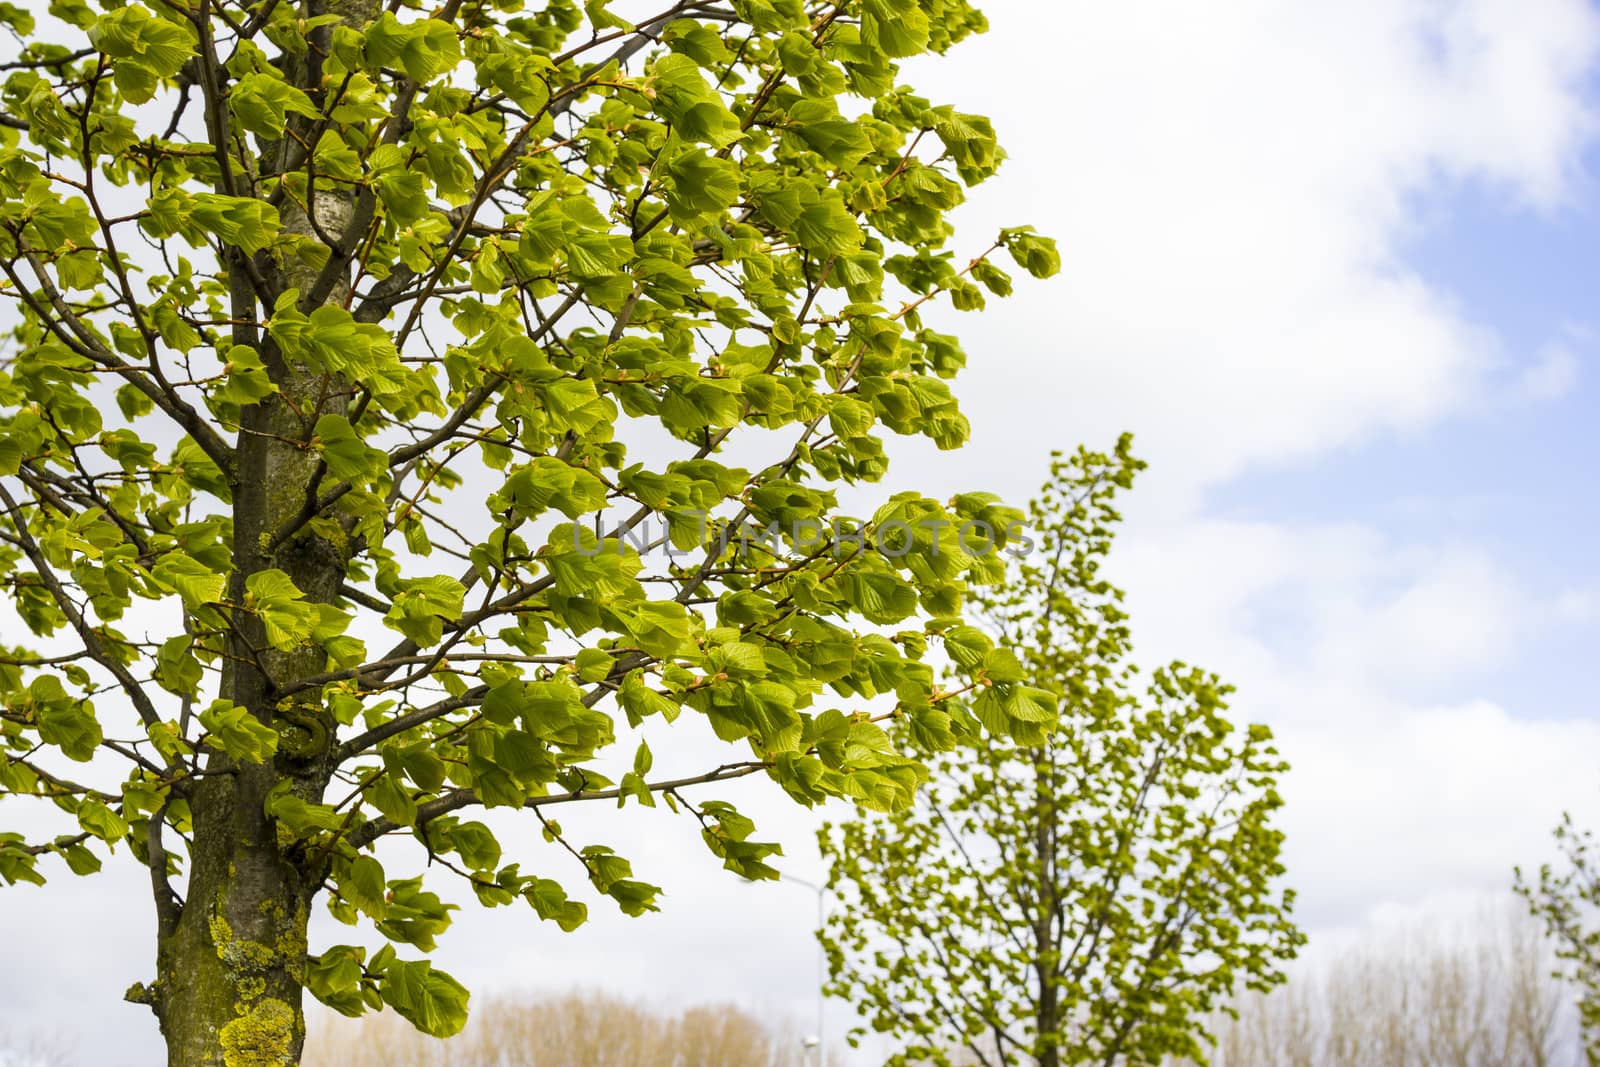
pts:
pixel 1333 266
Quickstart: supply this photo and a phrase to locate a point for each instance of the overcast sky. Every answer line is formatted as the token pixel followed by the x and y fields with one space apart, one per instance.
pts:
pixel 1334 265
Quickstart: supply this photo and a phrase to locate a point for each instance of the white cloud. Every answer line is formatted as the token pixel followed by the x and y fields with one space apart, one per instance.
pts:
pixel 1234 187
pixel 1459 614
pixel 1339 637
pixel 1386 806
pixel 1337 606
pixel 1551 377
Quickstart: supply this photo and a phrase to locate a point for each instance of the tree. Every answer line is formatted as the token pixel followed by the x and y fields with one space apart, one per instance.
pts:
pixel 364 363
pixel 1476 992
pixel 563 1030
pixel 1087 890
pixel 1564 899
pixel 34 1050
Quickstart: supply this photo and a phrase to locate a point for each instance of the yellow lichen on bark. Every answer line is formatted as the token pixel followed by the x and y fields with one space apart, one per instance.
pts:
pixel 262 1036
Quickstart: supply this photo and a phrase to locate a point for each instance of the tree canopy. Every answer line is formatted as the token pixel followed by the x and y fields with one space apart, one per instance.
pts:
pixel 386 396
pixel 1563 898
pixel 1084 891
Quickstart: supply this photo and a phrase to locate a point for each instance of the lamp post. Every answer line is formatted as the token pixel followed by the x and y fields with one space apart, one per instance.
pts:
pixel 821 1040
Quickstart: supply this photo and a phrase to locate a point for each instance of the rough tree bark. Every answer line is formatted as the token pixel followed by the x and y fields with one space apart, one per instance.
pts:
pixel 1048 952
pixel 232 956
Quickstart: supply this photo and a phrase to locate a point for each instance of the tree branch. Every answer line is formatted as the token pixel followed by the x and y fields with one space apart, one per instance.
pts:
pixel 86 633
pixel 85 342
pixel 168 907
pixel 465 798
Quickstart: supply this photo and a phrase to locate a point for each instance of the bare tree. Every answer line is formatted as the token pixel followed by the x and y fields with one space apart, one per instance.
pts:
pixel 587 1029
pixel 30 1048
pixel 1479 994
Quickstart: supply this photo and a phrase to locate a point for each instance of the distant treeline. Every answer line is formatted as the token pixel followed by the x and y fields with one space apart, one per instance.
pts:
pixel 577 1029
pixel 1477 993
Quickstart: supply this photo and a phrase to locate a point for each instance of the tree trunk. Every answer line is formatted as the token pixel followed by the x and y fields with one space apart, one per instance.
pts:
pixel 229 991
pixel 232 959
pixel 229 986
pixel 1046 950
pixel 1048 1015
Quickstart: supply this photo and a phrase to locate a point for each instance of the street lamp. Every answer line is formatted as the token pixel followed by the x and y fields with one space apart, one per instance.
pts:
pixel 820 1041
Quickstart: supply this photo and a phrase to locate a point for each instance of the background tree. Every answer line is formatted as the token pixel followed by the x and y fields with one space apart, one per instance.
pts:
pixel 337 334
pixel 1087 892
pixel 588 1029
pixel 1565 899
pixel 1473 992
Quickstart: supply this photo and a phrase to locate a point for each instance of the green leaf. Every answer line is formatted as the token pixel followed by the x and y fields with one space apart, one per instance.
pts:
pixel 424 49
pixel 80 860
pixel 700 184
pixel 403 190
pixel 429 999
pixel 660 627
pixel 1002 665
pixel 422 606
pixel 300 816
pixel 176 667
pixel 64 721
pixel 147 49
pixel 594 664
pixel 849 417
pixel 899 29
pixel 286 617
pixel 17 865
pixel 101 821
pixel 195 583
pixel 550 901
pixel 695 111
pixel 1035 254
pixel 348 457
pixel 640 701
pixel 967 646
pixel 882 597
pixel 261 102
pixel 236 732
pixel 392 799
pixel 334 978
pixel 245 222
pixel 828 227
pixel 1028 704
pixel 248 380
pixel 475 843
pixel 364 886
pixel 548 482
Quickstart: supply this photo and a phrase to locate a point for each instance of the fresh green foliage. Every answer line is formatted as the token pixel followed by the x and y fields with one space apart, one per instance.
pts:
pixel 355 357
pixel 1088 890
pixel 1564 899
